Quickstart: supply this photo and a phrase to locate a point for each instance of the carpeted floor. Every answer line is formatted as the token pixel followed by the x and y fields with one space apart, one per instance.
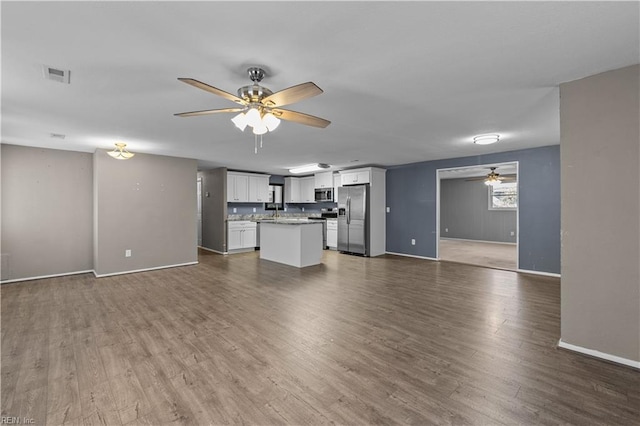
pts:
pixel 492 255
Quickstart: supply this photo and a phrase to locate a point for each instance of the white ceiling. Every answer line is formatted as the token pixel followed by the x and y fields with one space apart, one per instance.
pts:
pixel 403 81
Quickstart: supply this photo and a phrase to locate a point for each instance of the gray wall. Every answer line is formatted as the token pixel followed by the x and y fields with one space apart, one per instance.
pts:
pixel 46 212
pixel 146 204
pixel 411 195
pixel 464 213
pixel 599 118
pixel 214 209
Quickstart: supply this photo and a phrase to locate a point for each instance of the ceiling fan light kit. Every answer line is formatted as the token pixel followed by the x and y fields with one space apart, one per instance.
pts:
pixel 486 139
pixel 260 107
pixel 120 152
pixel 493 178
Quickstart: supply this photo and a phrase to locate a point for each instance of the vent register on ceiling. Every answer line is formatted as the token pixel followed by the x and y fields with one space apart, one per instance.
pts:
pixel 260 108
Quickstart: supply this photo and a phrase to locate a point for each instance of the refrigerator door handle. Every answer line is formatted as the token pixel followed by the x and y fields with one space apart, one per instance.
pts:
pixel 348 210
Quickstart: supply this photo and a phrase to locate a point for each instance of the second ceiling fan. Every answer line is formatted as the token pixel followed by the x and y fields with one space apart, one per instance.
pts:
pixel 493 178
pixel 260 108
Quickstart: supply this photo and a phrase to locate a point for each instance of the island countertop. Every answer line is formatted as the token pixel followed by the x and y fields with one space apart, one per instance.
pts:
pixel 290 221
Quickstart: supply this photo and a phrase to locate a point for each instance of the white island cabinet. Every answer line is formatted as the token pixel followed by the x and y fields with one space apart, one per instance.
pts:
pixel 295 243
pixel 241 235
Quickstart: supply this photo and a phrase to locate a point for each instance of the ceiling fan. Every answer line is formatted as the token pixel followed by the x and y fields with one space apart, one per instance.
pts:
pixel 493 178
pixel 260 108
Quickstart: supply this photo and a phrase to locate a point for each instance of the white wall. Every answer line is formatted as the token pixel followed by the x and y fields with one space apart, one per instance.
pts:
pixel 46 212
pixel 600 156
pixel 148 205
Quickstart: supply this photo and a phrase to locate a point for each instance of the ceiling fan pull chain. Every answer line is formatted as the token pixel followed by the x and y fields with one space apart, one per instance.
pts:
pixel 255 149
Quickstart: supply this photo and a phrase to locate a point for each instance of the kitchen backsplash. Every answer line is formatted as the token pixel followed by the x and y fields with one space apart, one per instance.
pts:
pixel 244 211
pixel 247 208
pixel 270 214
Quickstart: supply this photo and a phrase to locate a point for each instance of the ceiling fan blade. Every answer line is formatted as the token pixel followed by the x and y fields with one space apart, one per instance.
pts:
pixel 211 89
pixel 292 94
pixel 299 117
pixel 207 112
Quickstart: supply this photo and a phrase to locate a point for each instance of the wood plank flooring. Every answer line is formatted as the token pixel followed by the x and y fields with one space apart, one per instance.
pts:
pixel 490 255
pixel 237 340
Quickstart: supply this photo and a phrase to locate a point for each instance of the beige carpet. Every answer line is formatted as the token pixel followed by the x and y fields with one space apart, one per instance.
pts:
pixel 491 255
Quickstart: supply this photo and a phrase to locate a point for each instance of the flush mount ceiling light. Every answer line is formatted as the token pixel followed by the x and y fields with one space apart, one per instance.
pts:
pixel 120 152
pixel 260 108
pixel 486 139
pixel 309 168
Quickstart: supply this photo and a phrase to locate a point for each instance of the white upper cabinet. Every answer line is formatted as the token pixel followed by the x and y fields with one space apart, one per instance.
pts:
pixel 259 189
pixel 247 188
pixel 237 188
pixel 307 190
pixel 299 190
pixel 337 183
pixel 291 190
pixel 323 180
pixel 355 176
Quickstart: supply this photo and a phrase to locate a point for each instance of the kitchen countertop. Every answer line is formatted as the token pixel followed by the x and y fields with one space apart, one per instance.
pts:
pixel 259 217
pixel 290 221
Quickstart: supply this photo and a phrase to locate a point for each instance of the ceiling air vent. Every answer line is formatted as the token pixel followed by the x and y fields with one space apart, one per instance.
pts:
pixel 55 74
pixel 57 135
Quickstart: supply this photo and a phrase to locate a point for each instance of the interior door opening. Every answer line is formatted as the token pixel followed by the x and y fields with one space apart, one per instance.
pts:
pixel 478 215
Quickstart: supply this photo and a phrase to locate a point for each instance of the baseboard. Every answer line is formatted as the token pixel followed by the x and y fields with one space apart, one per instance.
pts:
pixel 40 277
pixel 212 250
pixel 545 274
pixel 597 354
pixel 144 270
pixel 411 255
pixel 241 250
pixel 479 241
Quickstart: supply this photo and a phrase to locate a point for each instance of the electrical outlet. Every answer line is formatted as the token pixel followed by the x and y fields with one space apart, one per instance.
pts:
pixel 388 209
pixel 513 233
pixel 446 229
pixel 235 210
pixel 303 209
pixel 127 253
pixel 254 209
pixel 413 242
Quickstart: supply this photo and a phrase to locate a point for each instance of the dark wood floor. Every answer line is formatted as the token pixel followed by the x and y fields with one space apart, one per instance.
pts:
pixel 354 341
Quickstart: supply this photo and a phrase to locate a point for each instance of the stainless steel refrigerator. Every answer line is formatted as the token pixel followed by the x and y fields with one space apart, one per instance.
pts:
pixel 353 219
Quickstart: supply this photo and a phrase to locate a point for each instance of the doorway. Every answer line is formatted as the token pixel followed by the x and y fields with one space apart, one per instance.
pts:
pixel 199 209
pixel 477 215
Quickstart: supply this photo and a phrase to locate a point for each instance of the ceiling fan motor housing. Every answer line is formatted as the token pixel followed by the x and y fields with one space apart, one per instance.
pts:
pixel 254 93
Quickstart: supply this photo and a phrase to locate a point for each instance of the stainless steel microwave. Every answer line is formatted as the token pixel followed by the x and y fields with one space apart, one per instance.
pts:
pixel 324 194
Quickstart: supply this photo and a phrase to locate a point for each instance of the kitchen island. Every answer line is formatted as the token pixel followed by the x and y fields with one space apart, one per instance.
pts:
pixel 292 242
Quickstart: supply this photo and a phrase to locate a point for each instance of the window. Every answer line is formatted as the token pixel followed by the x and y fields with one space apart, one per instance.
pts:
pixel 503 196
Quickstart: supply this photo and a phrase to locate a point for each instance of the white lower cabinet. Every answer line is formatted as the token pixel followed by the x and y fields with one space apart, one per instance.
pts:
pixel 332 234
pixel 241 235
